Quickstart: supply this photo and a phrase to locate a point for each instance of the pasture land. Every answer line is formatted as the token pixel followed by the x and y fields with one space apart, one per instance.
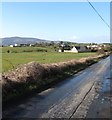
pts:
pixel 13 59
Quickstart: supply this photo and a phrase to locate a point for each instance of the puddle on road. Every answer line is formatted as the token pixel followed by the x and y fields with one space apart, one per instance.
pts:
pixel 106 86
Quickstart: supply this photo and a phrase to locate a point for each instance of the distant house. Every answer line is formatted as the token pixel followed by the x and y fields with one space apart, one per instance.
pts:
pixel 73 50
pixel 77 49
pixel 15 45
pixel 11 45
pixel 32 45
pixel 94 47
pixel 23 45
pixel 82 48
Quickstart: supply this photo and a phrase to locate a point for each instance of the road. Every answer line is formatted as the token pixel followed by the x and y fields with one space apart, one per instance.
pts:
pixel 64 99
pixel 104 100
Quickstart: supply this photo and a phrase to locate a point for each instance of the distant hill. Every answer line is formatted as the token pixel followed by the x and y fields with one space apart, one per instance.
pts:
pixel 21 40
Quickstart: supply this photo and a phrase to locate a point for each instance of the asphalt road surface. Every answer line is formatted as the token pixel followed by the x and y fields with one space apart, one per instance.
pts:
pixel 64 99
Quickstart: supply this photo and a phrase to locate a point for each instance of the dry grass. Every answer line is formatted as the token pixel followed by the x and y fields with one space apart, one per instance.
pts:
pixel 33 74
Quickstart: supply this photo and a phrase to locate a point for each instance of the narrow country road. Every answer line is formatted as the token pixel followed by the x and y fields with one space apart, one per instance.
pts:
pixel 63 99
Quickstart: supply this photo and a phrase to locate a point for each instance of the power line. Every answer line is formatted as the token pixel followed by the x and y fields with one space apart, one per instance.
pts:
pixel 99 15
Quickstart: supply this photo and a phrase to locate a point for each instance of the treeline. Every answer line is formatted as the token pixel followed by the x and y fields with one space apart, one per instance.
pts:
pixel 23 49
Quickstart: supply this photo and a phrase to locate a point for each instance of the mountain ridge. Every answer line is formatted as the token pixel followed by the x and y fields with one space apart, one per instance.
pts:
pixel 21 40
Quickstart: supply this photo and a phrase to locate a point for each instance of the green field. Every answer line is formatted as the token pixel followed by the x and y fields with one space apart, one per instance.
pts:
pixel 13 59
pixel 27 49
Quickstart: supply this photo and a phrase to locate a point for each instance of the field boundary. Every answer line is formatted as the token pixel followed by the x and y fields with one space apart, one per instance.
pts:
pixel 34 76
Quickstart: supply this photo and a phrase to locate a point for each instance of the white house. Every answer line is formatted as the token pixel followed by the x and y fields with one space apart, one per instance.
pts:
pixel 11 45
pixel 82 48
pixel 32 45
pixel 15 45
pixel 77 49
pixel 73 50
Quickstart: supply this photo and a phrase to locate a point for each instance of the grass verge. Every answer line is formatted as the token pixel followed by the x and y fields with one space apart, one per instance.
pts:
pixel 34 77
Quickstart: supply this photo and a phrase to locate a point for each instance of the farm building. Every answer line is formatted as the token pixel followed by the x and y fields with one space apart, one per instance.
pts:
pixel 32 45
pixel 82 48
pixel 11 45
pixel 24 45
pixel 76 49
pixel 15 45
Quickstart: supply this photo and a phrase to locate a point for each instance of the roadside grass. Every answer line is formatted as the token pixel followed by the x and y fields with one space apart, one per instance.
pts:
pixel 34 79
pixel 12 60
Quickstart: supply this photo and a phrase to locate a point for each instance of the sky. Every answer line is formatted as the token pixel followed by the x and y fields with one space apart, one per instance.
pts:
pixel 64 21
